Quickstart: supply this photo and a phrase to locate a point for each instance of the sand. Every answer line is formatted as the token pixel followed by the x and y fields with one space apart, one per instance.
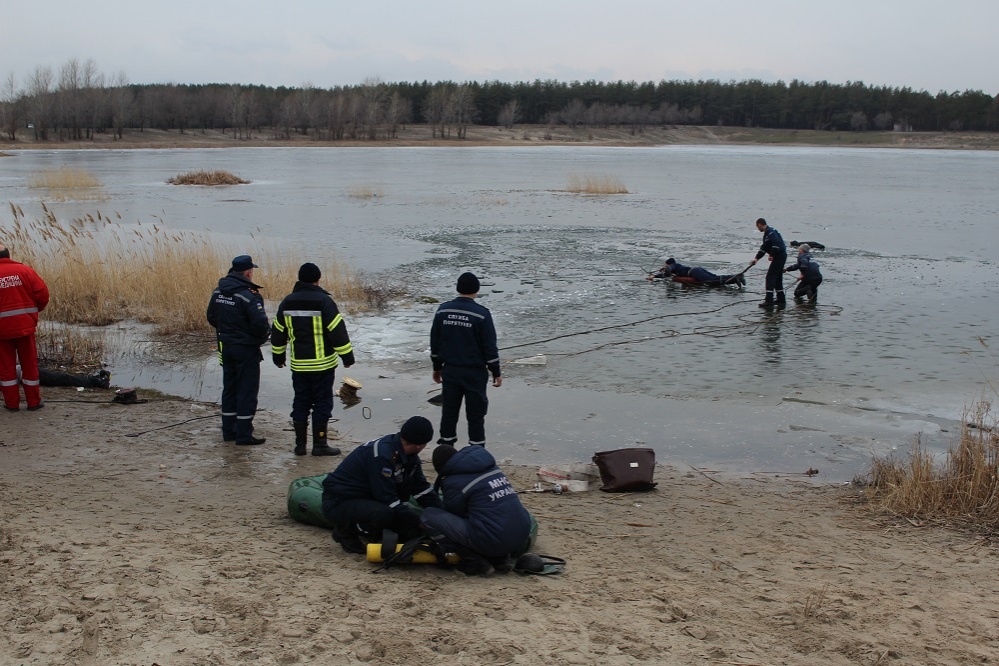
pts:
pixel 175 548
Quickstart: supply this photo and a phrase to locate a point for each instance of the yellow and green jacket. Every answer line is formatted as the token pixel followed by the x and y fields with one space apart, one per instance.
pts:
pixel 309 324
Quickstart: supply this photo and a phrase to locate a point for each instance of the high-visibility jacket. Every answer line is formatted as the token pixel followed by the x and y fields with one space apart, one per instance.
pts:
pixel 309 324
pixel 22 296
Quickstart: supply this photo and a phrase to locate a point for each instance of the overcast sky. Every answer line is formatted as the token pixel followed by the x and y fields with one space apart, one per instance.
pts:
pixel 923 44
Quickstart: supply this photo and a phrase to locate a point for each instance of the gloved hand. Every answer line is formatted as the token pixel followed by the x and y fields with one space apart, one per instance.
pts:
pixel 278 360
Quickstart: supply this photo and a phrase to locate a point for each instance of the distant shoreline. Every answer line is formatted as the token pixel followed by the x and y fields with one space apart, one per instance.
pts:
pixel 522 136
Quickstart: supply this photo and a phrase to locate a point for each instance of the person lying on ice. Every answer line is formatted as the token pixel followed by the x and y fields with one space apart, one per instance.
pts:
pixel 702 275
pixel 48 377
pixel 482 515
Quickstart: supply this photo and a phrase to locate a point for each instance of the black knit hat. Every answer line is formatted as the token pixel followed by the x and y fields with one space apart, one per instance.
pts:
pixel 468 283
pixel 417 430
pixel 309 273
pixel 442 454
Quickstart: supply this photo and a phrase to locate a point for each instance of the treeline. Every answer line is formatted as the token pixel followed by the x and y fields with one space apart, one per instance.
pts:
pixel 79 102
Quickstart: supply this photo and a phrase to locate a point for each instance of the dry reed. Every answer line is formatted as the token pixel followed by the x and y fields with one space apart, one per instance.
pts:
pixel 963 485
pixel 217 177
pixel 100 271
pixel 365 192
pixel 60 345
pixel 64 184
pixel 595 184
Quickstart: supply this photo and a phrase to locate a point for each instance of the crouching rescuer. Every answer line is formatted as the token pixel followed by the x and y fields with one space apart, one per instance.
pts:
pixel 309 324
pixel 370 491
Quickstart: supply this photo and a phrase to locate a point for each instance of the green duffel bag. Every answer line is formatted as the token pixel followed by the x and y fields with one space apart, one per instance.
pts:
pixel 305 501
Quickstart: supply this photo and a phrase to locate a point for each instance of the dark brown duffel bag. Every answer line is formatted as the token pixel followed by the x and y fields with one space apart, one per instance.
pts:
pixel 624 470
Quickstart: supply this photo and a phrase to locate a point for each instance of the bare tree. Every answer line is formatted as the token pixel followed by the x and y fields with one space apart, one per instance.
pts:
pixel 122 102
pixel 882 121
pixel 858 121
pixel 397 112
pixel 40 93
pixel 463 109
pixel 95 98
pixel 235 105
pixel 434 107
pixel 572 113
pixel 509 114
pixel 9 107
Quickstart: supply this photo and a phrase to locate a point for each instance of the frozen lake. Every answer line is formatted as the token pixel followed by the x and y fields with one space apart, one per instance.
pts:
pixel 703 376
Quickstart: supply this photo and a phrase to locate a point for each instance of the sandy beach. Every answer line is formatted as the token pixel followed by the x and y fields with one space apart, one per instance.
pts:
pixel 172 547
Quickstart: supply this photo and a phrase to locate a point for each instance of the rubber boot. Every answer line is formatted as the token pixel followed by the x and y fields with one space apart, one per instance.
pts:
pixel 781 299
pixel 301 435
pixel 319 445
pixel 768 302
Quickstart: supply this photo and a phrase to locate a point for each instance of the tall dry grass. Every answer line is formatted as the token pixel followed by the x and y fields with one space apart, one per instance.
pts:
pixel 595 184
pixel 65 184
pixel 62 345
pixel 964 484
pixel 101 271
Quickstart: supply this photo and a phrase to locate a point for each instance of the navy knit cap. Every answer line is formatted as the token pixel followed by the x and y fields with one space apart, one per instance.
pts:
pixel 442 454
pixel 417 430
pixel 670 261
pixel 243 262
pixel 468 283
pixel 310 273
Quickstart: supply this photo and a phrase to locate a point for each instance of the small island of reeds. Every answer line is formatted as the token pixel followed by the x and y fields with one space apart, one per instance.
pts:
pixel 217 177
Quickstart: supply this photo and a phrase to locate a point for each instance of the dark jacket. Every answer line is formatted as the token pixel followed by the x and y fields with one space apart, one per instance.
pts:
pixel 380 470
pixel 477 490
pixel 773 244
pixel 809 267
pixel 463 335
pixel 679 270
pixel 309 322
pixel 236 312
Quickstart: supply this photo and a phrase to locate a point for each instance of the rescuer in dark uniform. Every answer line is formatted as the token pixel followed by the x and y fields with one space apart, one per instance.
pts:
pixel 309 323
pixel 463 351
pixel 236 312
pixel 773 244
pixel 810 278
pixel 370 490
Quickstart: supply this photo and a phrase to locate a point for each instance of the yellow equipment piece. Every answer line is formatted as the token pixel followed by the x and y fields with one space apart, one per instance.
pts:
pixel 419 557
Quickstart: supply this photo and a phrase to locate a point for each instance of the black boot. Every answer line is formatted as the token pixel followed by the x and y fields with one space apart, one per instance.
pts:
pixel 781 299
pixel 319 445
pixel 301 433
pixel 768 302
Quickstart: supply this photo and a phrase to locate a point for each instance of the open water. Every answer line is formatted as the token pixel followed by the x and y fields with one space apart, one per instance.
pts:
pixel 893 350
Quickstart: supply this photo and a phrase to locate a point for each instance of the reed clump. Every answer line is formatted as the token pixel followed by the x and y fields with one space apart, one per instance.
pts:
pixel 365 192
pixel 217 177
pixel 65 183
pixel 64 346
pixel 595 184
pixel 963 485
pixel 100 271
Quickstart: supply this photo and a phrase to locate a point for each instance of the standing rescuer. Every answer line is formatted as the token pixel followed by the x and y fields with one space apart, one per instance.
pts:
pixel 236 312
pixel 464 353
pixel 773 244
pixel 22 296
pixel 309 324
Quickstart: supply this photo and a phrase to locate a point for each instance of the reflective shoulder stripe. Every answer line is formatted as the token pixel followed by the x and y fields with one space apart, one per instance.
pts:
pixel 471 483
pixel 464 312
pixel 243 297
pixel 11 313
pixel 303 313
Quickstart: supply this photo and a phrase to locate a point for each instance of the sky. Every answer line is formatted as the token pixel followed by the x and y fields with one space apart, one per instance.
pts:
pixel 921 44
